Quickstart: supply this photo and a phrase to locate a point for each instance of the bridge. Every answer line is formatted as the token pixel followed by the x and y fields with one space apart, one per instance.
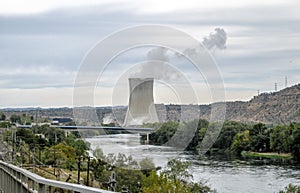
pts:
pixel 129 129
pixel 82 128
pixel 140 130
pixel 18 180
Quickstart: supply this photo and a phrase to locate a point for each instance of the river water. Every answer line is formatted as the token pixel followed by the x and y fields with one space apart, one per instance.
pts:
pixel 224 176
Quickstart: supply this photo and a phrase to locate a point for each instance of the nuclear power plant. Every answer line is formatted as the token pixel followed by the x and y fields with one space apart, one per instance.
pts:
pixel 141 108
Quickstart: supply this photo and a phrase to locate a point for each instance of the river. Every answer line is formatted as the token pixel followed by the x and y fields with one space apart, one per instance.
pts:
pixel 222 175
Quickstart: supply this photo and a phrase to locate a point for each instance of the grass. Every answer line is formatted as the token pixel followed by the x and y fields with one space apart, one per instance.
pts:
pixel 267 155
pixel 63 174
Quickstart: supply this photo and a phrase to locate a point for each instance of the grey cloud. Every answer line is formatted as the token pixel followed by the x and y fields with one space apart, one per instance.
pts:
pixel 216 40
pixel 60 38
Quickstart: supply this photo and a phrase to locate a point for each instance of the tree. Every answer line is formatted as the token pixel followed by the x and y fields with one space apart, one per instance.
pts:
pixel 281 138
pixel 130 178
pixel 27 136
pixel 201 123
pixel 121 160
pixel 241 142
pixel 167 181
pixel 226 136
pixel 5 124
pixel 201 133
pixel 98 153
pixel 63 155
pixel 125 168
pixel 178 170
pixel 291 189
pixel 147 166
pixel 54 135
pixel 295 147
pixel 100 170
pixel 78 144
pixel 156 183
pixel 287 137
pixel 2 116
pixel 164 133
pixel 15 118
pixel 259 137
pixel 276 142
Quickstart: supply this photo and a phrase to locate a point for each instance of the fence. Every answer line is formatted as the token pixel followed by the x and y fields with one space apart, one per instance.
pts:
pixel 17 180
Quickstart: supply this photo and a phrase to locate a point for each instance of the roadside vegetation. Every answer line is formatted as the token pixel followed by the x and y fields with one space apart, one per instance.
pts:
pixel 55 154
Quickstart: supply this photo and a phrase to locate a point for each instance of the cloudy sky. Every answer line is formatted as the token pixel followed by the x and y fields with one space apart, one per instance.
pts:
pixel 42 44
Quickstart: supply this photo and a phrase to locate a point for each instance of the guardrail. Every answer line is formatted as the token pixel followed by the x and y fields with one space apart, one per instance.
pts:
pixel 17 180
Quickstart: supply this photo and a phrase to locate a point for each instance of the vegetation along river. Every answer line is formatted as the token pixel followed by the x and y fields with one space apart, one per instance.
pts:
pixel 226 176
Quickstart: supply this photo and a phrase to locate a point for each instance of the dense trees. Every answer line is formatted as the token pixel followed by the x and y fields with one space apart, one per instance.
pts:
pixel 227 134
pixel 241 142
pixel 5 124
pixel 255 138
pixel 62 155
pixel 281 138
pixel 295 143
pixel 175 178
pixel 142 177
pixel 15 119
pixel 164 133
pixel 236 137
pixel 286 139
pixel 50 144
pixel 23 119
pixel 2 116
pixel 259 136
pixel 199 134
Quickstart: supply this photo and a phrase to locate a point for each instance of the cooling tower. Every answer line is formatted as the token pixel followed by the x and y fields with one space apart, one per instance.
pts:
pixel 141 107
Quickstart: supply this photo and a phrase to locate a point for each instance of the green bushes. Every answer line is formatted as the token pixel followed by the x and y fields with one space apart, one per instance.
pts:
pixel 291 189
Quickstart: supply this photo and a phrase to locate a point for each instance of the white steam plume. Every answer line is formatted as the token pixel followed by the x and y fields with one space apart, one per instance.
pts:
pixel 216 40
pixel 108 119
pixel 154 69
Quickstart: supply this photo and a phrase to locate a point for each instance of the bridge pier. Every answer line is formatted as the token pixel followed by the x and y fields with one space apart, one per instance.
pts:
pixel 147 138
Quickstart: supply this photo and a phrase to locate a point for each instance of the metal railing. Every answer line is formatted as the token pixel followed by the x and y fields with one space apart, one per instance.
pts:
pixel 17 180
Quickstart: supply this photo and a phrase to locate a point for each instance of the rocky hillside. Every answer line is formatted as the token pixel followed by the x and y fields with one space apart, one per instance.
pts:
pixel 277 107
pixel 280 107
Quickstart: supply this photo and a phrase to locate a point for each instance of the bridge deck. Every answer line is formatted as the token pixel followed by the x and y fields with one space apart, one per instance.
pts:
pixel 75 127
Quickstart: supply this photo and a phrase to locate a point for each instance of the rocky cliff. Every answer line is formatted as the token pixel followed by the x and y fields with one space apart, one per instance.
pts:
pixel 280 107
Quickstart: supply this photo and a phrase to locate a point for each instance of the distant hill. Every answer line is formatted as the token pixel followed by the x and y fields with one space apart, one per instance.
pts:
pixel 280 107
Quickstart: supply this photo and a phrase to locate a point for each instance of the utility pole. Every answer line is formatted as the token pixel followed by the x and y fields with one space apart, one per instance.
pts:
pixel 88 171
pixel 54 161
pixel 275 86
pixel 13 133
pixel 112 181
pixel 78 174
pixel 286 81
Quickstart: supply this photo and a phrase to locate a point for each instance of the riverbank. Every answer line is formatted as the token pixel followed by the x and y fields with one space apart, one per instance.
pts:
pixel 226 174
pixel 267 155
